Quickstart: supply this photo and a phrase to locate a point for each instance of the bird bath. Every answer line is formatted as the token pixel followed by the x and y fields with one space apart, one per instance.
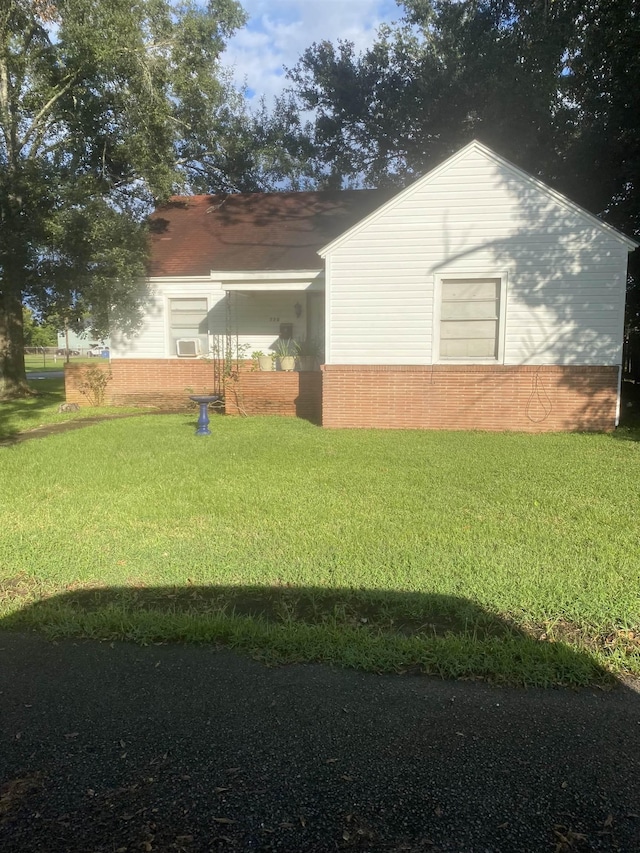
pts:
pixel 203 401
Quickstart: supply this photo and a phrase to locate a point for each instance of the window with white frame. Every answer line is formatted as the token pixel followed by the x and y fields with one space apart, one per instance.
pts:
pixel 469 318
pixel 188 327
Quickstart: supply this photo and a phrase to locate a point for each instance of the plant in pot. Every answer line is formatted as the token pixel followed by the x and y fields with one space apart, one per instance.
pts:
pixel 308 354
pixel 263 362
pixel 286 350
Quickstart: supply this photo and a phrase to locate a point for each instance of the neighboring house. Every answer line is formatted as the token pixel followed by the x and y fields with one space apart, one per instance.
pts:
pixel 476 298
pixel 80 343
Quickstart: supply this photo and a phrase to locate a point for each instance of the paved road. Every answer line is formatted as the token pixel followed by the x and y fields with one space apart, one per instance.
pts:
pixel 118 748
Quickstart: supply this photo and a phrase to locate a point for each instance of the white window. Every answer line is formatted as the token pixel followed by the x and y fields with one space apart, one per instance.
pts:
pixel 188 322
pixel 470 319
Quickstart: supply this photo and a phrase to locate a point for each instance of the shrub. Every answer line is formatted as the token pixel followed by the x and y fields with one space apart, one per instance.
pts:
pixel 93 382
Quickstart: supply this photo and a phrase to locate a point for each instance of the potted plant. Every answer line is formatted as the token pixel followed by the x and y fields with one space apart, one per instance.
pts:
pixel 286 350
pixel 308 354
pixel 264 362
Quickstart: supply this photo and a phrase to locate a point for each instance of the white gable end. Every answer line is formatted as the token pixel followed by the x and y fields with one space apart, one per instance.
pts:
pixel 561 272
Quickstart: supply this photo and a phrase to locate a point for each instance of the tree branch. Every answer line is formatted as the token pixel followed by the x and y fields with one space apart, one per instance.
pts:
pixel 36 130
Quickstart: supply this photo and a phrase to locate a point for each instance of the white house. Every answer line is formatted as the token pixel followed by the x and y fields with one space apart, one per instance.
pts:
pixel 478 297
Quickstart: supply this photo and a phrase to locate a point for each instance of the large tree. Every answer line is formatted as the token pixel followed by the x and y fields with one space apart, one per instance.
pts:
pixel 105 107
pixel 446 73
pixel 552 85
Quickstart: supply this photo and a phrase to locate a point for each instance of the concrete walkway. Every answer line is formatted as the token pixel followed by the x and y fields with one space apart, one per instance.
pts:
pixel 115 747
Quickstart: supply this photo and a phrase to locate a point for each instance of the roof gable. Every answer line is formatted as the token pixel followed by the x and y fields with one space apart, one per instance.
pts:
pixel 476 147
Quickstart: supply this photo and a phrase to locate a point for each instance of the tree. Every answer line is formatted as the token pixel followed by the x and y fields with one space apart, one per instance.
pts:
pixel 37 334
pixel 105 108
pixel 553 86
pixel 448 72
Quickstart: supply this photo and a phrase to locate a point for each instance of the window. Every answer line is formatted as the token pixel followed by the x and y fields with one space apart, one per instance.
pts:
pixel 469 318
pixel 188 322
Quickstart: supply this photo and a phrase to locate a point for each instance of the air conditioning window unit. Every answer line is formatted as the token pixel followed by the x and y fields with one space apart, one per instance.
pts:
pixel 188 347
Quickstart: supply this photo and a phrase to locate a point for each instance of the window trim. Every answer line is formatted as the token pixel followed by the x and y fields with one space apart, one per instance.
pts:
pixel 169 298
pixel 466 275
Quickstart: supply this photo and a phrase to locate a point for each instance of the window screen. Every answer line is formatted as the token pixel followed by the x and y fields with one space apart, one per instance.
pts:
pixel 469 315
pixel 188 320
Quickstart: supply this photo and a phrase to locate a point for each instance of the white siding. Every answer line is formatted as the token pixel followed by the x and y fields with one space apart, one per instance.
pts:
pixel 150 336
pixel 255 317
pixel 478 216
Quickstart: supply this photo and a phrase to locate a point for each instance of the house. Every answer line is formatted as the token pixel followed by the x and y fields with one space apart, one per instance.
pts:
pixel 478 297
pixel 81 342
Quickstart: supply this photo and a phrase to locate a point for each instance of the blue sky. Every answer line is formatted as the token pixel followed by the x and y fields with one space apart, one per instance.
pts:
pixel 279 31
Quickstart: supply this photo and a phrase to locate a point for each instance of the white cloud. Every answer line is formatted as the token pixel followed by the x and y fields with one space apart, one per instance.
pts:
pixel 279 31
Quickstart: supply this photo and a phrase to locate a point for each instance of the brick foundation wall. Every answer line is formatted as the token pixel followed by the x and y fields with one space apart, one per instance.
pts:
pixel 295 394
pixel 146 382
pixel 527 399
pixel 165 383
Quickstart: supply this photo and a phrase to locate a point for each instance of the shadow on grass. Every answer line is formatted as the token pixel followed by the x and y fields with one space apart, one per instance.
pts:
pixel 25 412
pixel 447 636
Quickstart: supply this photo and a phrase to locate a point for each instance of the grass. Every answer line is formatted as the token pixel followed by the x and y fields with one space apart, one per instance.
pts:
pixel 509 557
pixel 49 363
pixel 42 409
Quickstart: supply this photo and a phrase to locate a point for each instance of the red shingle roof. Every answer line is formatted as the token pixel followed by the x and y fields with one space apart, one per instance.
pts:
pixel 193 235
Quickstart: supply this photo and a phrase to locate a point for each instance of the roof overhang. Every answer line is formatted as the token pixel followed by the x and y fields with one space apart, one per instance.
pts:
pixel 267 281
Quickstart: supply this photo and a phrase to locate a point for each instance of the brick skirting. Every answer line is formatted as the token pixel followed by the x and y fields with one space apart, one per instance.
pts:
pixel 295 394
pixel 527 399
pixel 167 383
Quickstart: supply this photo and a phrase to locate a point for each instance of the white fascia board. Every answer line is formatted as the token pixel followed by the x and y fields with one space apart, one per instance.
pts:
pixel 497 158
pixel 179 279
pixel 269 280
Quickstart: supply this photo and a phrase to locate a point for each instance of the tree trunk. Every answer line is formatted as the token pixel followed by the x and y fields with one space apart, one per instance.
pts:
pixel 13 379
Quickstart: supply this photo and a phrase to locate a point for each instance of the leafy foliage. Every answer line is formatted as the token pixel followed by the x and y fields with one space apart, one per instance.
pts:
pixel 92 383
pixel 555 87
pixel 552 86
pixel 37 334
pixel 104 108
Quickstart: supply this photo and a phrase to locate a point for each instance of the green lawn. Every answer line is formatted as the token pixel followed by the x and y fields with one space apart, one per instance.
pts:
pixel 506 556
pixel 30 413
pixel 48 363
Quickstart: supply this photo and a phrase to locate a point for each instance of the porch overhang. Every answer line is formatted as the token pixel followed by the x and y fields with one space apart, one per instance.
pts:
pixel 267 281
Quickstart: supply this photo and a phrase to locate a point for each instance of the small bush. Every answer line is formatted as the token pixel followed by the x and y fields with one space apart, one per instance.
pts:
pixel 93 383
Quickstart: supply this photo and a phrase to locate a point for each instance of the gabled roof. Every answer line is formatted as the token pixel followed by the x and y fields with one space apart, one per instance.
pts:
pixel 192 235
pixel 478 147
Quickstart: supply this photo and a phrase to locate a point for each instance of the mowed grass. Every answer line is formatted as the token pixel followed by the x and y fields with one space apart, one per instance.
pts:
pixel 37 363
pixel 502 556
pixel 30 413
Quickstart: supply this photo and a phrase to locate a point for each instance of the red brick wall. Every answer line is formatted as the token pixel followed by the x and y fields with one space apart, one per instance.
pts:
pixel 146 381
pixel 169 382
pixel 529 399
pixel 276 393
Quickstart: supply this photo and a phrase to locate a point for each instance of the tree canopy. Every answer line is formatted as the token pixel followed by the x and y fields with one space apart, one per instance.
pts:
pixel 104 109
pixel 553 86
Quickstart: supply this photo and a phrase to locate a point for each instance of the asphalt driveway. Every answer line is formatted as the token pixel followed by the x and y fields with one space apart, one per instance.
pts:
pixel 118 748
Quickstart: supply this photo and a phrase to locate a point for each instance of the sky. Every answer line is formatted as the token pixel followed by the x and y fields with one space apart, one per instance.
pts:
pixel 279 31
